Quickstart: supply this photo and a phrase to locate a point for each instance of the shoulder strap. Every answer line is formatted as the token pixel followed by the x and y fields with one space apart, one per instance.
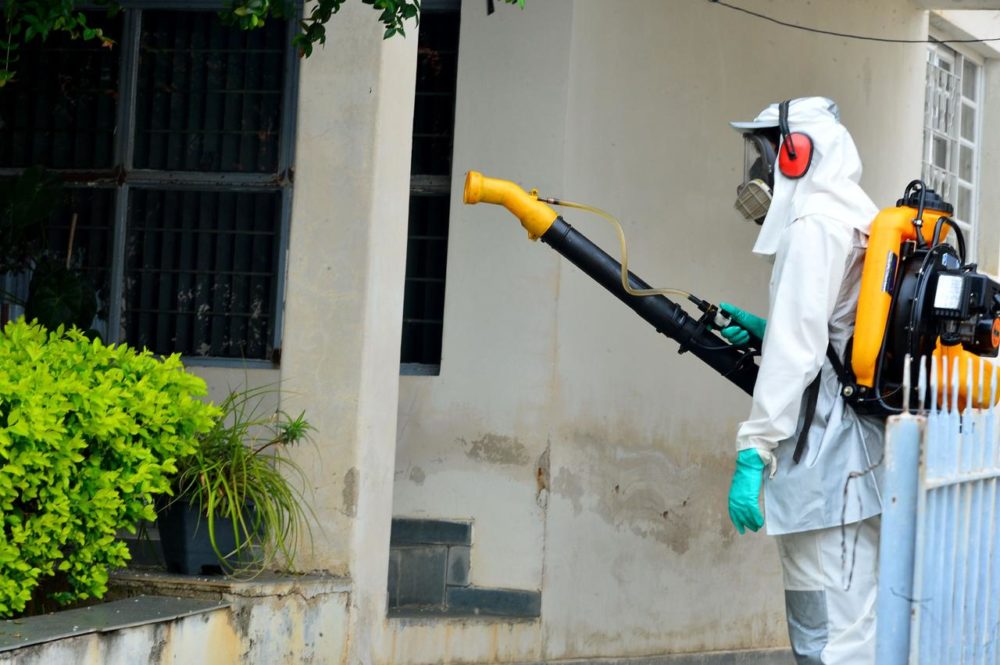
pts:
pixel 812 395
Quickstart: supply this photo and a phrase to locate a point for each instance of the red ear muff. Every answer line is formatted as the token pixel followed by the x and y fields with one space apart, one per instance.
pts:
pixel 796 151
pixel 795 155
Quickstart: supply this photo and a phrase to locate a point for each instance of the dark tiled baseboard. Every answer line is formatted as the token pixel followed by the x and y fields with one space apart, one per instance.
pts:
pixel 429 575
pixel 472 601
pixel 430 532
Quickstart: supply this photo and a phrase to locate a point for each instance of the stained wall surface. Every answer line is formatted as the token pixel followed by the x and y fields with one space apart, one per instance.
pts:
pixel 593 460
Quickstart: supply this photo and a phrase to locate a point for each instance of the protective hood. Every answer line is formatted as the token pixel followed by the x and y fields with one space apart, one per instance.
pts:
pixel 830 186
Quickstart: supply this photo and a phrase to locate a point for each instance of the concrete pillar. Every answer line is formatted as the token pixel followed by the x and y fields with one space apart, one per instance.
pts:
pixel 340 356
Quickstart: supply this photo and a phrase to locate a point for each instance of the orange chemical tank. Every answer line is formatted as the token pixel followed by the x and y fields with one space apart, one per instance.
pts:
pixel 890 229
pixel 982 377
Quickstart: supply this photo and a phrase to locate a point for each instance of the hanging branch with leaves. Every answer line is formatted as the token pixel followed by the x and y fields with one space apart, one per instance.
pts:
pixel 28 20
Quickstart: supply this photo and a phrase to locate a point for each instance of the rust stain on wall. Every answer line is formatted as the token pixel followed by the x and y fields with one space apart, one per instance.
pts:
pixel 542 478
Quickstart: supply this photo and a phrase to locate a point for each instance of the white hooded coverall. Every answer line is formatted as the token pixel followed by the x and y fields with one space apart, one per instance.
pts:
pixel 816 230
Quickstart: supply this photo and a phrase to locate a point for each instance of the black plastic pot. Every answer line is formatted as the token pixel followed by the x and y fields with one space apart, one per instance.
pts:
pixel 184 539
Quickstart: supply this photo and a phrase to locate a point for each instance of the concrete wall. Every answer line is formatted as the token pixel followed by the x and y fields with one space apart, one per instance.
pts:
pixel 592 458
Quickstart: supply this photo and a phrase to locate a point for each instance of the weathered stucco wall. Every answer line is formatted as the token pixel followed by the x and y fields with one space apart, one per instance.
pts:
pixel 592 458
pixel 204 638
pixel 220 622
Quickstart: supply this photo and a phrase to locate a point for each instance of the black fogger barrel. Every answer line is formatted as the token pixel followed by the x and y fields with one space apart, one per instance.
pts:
pixel 732 362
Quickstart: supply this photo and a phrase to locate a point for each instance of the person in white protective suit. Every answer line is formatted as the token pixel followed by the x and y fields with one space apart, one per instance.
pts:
pixel 802 440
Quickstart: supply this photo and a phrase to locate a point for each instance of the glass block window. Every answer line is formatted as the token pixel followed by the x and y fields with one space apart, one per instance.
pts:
pixel 952 132
pixel 430 187
pixel 176 147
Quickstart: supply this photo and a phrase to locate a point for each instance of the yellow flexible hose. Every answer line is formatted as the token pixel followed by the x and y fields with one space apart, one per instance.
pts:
pixel 624 249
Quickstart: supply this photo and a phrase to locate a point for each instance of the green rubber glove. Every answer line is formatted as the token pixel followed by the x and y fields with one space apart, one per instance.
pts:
pixel 744 492
pixel 745 324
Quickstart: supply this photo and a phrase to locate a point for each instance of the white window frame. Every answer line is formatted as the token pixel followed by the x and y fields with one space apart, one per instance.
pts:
pixel 947 181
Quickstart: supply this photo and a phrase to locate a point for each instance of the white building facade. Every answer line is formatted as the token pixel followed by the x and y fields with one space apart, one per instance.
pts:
pixel 575 466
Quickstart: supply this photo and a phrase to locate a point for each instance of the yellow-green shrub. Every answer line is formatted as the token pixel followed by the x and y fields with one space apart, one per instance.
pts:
pixel 89 434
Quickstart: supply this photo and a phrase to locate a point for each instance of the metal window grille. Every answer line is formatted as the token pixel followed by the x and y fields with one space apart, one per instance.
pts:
pixel 951 133
pixel 430 188
pixel 177 149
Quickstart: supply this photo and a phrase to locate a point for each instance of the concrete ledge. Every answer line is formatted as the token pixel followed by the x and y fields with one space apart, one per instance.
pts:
pixel 126 582
pixel 100 618
pixel 746 657
pixel 272 618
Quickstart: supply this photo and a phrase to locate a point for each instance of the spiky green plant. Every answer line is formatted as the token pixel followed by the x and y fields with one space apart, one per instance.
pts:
pixel 241 470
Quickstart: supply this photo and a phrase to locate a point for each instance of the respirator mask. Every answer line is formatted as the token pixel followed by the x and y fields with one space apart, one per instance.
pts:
pixel 753 196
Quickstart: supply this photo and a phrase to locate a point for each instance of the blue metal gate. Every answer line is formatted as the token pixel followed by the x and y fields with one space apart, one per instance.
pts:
pixel 939 585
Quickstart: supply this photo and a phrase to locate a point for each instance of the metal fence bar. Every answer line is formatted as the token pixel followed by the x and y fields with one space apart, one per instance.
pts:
pixel 930 511
pixel 899 525
pixel 993 608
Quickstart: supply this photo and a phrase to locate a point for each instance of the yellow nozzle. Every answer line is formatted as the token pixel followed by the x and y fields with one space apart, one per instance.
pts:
pixel 535 216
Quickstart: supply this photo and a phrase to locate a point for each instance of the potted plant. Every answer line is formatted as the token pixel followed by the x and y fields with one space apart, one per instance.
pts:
pixel 237 508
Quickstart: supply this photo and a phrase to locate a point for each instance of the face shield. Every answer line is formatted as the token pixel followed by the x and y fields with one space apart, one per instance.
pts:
pixel 753 196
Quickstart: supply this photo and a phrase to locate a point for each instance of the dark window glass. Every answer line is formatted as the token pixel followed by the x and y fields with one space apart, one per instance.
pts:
pixel 430 188
pixel 90 242
pixel 202 263
pixel 78 231
pixel 209 95
pixel 200 272
pixel 60 110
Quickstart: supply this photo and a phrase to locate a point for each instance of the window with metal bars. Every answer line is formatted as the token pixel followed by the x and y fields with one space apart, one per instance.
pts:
pixel 430 187
pixel 951 133
pixel 175 148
